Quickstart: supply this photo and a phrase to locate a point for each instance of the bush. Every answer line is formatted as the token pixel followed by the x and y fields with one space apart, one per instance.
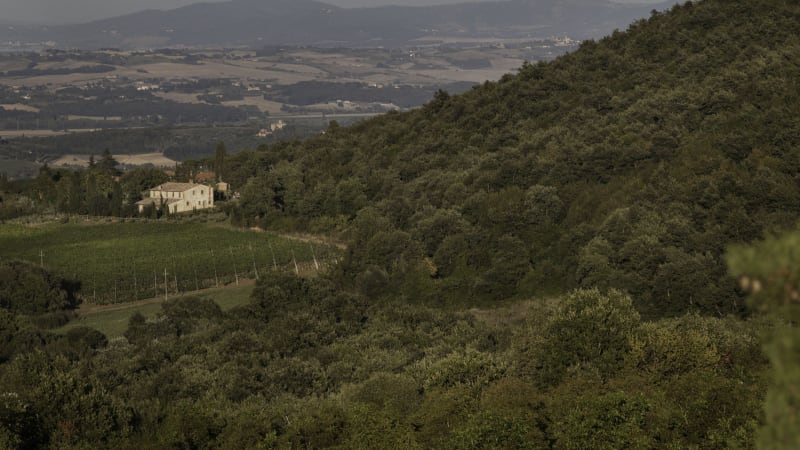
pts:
pixel 28 289
pixel 591 331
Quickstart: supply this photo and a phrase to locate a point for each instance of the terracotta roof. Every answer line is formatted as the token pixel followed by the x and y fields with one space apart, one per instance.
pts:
pixel 203 177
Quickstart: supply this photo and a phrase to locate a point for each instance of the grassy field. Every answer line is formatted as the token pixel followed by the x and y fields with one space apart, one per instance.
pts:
pixel 113 321
pixel 123 262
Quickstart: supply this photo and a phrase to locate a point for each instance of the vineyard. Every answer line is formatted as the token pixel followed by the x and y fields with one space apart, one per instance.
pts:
pixel 122 262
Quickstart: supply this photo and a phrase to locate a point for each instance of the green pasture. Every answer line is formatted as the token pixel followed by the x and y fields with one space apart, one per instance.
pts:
pixel 114 322
pixel 121 262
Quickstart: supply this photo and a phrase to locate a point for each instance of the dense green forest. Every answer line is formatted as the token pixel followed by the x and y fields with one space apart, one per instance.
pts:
pixel 308 366
pixel 577 256
pixel 630 163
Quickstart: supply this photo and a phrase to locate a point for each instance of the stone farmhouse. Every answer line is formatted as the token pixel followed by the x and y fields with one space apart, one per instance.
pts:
pixel 178 197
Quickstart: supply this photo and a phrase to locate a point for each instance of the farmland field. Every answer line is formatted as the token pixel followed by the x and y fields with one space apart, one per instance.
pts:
pixel 123 262
pixel 156 159
pixel 44 133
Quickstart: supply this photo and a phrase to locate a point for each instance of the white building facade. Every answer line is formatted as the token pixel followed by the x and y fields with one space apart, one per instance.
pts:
pixel 178 197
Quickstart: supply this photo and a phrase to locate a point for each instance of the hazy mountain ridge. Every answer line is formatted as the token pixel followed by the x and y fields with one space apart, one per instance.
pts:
pixel 250 22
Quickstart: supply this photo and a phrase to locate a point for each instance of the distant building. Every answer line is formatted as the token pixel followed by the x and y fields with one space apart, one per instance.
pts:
pixel 178 197
pixel 223 191
pixel 275 126
pixel 147 87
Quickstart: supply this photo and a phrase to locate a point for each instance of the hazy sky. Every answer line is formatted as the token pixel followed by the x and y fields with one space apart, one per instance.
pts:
pixel 76 11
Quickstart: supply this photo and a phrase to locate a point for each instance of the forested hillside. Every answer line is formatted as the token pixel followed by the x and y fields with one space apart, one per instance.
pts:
pixel 630 163
pixel 541 262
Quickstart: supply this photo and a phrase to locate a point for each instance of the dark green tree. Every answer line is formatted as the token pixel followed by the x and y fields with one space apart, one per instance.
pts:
pixel 592 331
pixel 77 199
pixel 219 161
pixel 28 289
pixel 768 271
pixel 107 163
pixel 116 201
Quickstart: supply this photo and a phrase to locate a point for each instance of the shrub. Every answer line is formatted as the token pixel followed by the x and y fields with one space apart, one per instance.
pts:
pixel 28 289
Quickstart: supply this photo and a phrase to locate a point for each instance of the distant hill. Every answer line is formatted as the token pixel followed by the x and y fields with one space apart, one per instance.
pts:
pixel 304 22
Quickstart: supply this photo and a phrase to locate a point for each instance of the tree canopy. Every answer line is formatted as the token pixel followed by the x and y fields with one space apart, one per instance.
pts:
pixel 629 163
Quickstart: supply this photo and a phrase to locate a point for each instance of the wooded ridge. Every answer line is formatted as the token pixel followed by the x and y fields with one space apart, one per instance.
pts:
pixel 630 163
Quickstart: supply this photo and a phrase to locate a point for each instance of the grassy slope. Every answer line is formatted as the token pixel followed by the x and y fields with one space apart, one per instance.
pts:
pixel 114 321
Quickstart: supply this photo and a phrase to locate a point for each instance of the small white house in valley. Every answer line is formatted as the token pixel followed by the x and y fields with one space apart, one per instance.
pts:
pixel 179 197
